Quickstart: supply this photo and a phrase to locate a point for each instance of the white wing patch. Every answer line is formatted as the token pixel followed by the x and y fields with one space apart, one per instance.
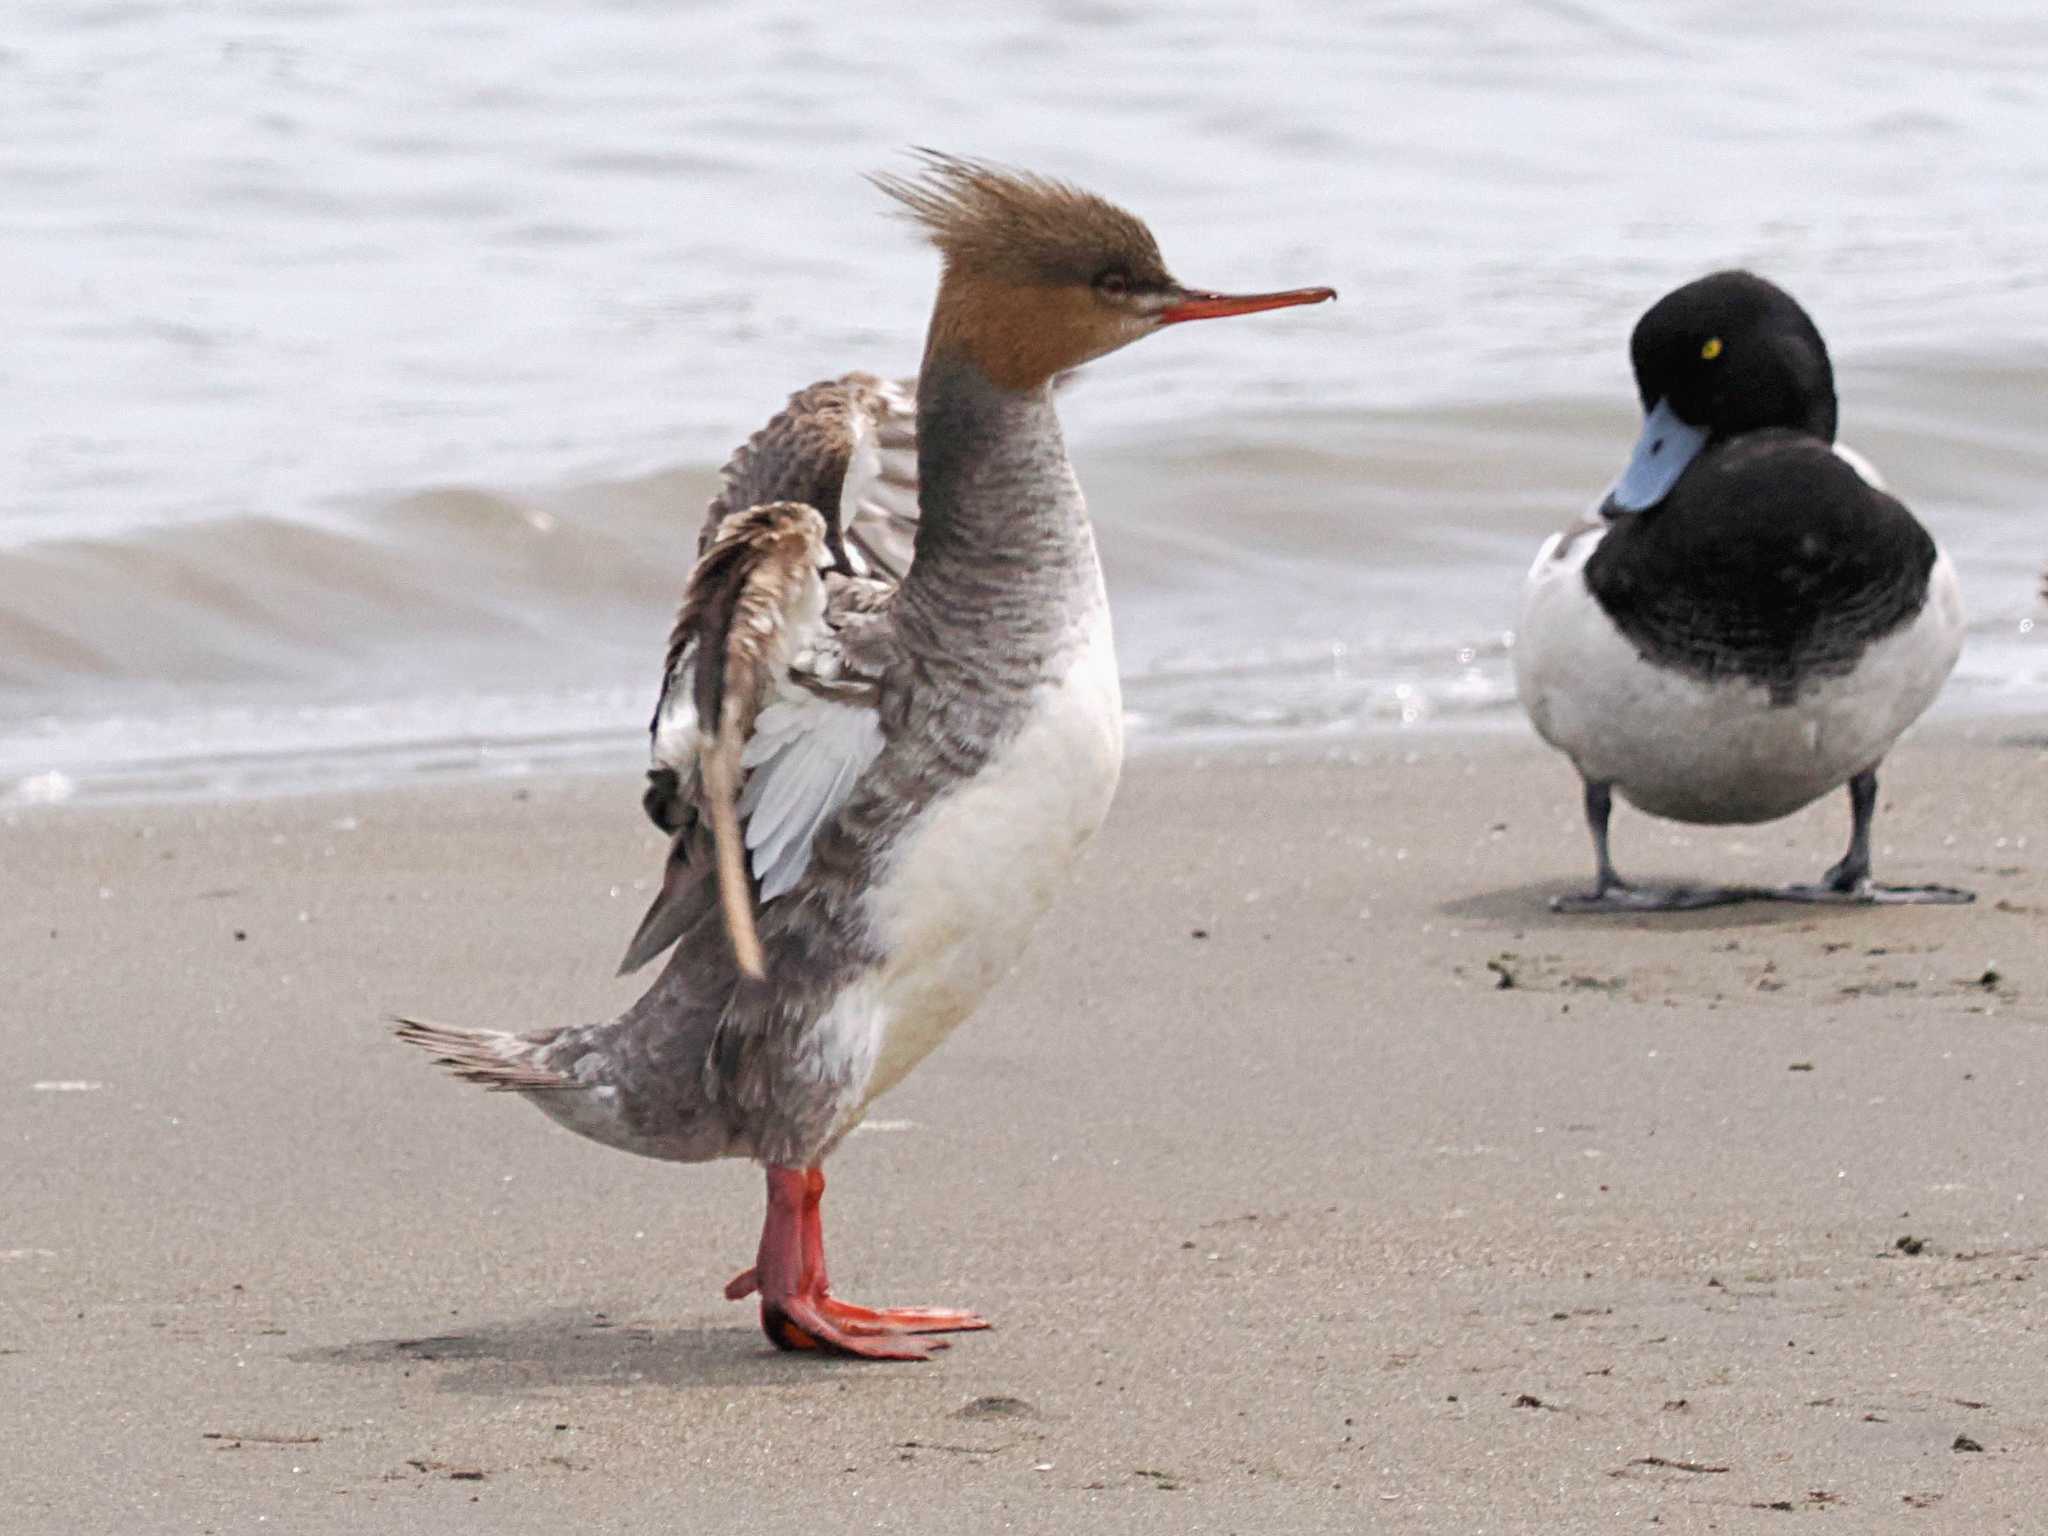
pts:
pixel 802 761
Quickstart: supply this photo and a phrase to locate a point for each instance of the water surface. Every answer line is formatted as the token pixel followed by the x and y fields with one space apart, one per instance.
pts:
pixel 369 364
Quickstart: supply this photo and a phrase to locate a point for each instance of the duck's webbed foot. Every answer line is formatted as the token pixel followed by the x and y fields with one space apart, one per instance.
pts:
pixel 1611 893
pixel 1868 893
pixel 1848 884
pixel 1620 896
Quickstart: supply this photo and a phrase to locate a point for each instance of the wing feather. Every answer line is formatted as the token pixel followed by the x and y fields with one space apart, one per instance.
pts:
pixel 878 496
pixel 789 865
pixel 802 783
pixel 754 597
pixel 847 447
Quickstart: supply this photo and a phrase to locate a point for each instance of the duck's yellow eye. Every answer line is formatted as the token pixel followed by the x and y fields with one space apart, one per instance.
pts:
pixel 1712 349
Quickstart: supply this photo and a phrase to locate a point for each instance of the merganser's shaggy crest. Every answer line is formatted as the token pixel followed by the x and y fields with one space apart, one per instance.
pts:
pixel 890 720
pixel 1748 620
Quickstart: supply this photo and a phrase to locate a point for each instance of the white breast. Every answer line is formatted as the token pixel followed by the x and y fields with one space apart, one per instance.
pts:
pixel 978 869
pixel 1713 752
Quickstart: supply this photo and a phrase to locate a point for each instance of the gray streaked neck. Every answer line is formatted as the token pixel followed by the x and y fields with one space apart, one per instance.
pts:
pixel 1003 543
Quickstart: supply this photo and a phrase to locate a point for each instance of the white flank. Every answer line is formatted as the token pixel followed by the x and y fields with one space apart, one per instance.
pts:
pixel 1861 465
pixel 1713 752
pixel 979 869
pixel 67 1085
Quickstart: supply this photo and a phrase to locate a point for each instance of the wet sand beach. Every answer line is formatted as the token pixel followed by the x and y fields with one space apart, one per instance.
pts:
pixel 1315 1176
pixel 377 363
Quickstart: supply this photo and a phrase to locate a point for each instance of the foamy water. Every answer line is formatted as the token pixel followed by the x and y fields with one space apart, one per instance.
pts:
pixel 368 365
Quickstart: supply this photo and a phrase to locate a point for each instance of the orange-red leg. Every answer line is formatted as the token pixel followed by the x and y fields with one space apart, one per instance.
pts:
pixel 798 1310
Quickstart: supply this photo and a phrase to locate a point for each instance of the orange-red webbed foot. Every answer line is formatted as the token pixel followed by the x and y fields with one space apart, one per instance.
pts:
pixel 798 1309
pixel 858 1319
pixel 799 1323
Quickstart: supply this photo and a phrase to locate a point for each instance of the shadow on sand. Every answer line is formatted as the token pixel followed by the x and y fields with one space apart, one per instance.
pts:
pixel 1528 906
pixel 564 1348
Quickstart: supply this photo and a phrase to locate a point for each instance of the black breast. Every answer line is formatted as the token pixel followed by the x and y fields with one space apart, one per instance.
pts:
pixel 1771 561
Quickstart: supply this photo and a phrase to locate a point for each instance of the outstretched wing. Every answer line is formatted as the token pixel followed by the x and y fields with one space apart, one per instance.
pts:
pixel 760 723
pixel 766 718
pixel 848 447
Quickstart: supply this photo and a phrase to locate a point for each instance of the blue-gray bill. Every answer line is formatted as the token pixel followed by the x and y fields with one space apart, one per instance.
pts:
pixel 1661 454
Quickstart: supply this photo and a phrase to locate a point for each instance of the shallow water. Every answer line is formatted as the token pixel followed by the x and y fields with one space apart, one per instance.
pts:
pixel 370 364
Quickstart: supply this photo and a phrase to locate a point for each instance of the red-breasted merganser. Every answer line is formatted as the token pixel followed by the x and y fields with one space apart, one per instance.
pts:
pixel 877 768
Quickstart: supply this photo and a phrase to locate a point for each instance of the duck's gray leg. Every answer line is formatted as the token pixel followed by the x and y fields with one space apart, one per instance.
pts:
pixel 1848 883
pixel 1599 807
pixel 1611 893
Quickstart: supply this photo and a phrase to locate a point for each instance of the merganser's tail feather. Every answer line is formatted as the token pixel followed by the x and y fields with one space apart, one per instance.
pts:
pixel 501 1062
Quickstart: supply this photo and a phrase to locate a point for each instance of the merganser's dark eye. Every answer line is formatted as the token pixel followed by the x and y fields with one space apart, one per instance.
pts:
pixel 1113 282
